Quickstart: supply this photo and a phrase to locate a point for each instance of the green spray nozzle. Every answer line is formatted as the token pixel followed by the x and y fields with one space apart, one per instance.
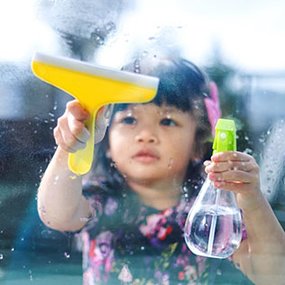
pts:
pixel 225 136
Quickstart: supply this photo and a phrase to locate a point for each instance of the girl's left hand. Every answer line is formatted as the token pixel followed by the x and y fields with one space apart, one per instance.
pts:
pixel 238 172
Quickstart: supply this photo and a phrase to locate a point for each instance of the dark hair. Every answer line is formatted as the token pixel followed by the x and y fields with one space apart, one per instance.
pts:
pixel 182 85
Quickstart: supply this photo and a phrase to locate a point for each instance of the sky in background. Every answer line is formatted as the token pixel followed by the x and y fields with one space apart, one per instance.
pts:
pixel 250 34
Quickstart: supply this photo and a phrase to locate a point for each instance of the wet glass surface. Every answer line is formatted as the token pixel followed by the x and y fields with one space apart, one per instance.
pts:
pixel 251 91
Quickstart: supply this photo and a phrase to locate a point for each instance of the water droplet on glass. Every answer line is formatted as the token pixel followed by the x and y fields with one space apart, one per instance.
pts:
pixel 84 219
pixel 268 191
pixel 145 53
pixel 99 40
pixel 67 255
pixel 30 275
pixel 170 163
pixel 113 164
pixel 56 179
pixel 248 151
pixel 110 26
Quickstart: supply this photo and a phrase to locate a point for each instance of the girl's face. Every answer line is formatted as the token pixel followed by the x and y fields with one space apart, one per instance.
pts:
pixel 149 143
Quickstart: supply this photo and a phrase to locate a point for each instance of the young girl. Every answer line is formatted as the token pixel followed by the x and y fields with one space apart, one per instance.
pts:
pixel 147 173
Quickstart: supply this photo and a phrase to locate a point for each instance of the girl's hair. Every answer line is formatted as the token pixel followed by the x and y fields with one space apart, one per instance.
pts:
pixel 182 85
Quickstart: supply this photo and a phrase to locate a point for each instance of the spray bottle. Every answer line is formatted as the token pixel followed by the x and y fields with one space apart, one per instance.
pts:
pixel 213 226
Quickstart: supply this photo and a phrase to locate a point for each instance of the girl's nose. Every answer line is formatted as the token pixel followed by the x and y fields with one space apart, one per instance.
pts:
pixel 146 136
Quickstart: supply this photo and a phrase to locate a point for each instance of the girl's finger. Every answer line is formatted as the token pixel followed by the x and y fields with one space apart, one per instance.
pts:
pixel 244 188
pixel 232 156
pixel 77 111
pixel 222 166
pixel 60 141
pixel 78 129
pixel 236 176
pixel 68 140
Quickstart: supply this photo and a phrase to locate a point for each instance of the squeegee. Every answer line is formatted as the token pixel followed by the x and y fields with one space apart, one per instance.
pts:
pixel 93 86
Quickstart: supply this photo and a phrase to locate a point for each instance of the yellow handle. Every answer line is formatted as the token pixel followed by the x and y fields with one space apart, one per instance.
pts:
pixel 80 162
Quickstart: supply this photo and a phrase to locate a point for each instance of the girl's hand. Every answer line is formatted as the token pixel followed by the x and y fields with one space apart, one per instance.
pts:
pixel 237 172
pixel 70 133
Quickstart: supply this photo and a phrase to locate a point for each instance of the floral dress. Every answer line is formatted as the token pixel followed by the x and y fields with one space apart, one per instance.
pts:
pixel 127 242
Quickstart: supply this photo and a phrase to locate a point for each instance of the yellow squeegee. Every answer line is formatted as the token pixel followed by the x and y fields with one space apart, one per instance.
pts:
pixel 93 86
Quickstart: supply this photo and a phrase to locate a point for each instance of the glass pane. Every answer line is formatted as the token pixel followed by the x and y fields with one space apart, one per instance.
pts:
pixel 239 46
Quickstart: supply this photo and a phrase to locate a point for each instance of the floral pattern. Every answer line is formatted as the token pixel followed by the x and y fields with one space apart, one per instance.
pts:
pixel 127 242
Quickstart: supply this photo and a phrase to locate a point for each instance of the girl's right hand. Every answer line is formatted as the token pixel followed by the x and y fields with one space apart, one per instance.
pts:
pixel 70 133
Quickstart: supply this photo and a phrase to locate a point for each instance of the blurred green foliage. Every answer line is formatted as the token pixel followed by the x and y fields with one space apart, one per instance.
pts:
pixel 232 98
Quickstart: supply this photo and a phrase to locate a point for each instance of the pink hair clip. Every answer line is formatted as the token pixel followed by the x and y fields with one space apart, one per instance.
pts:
pixel 212 104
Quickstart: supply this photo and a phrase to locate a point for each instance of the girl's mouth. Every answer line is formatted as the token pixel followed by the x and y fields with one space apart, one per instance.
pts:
pixel 146 156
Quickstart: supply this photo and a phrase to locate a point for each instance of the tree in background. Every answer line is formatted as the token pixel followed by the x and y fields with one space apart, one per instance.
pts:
pixel 233 91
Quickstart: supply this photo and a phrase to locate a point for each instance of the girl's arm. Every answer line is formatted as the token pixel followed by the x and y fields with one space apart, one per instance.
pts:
pixel 61 205
pixel 262 255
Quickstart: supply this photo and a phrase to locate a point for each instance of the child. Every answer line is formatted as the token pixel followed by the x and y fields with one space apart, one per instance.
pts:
pixel 147 173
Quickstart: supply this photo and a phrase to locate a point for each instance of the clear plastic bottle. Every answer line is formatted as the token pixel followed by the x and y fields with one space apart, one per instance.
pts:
pixel 213 226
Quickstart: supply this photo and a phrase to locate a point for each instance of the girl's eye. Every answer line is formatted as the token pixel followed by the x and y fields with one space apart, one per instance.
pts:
pixel 168 122
pixel 129 120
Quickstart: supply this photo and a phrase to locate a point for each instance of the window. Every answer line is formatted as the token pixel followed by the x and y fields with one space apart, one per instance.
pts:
pixel 241 50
